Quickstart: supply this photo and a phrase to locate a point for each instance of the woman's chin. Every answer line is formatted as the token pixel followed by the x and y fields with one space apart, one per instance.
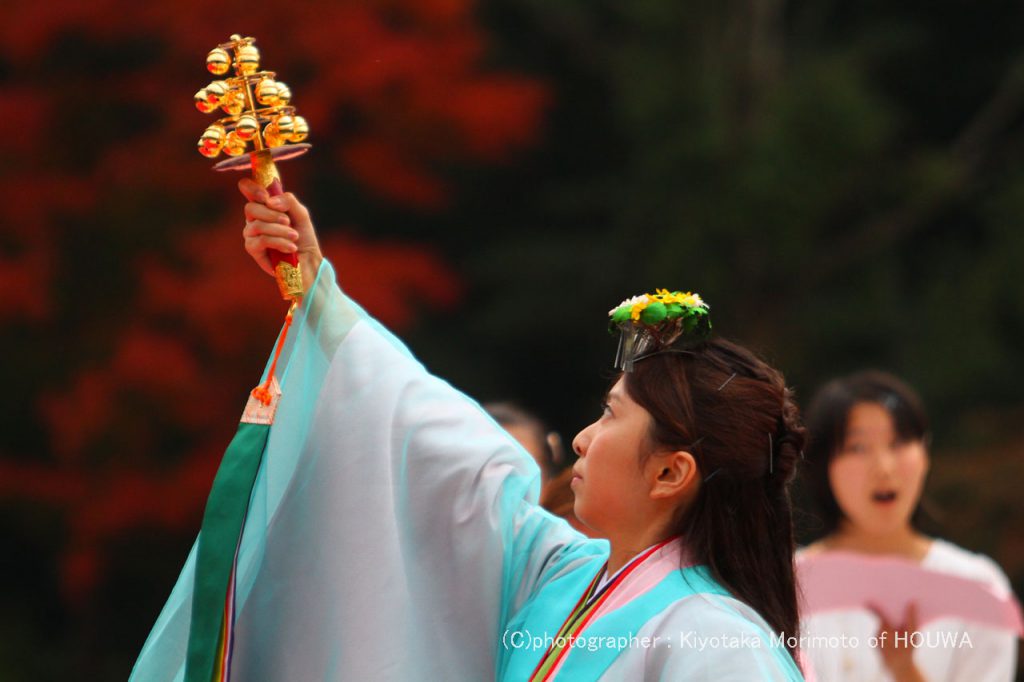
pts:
pixel 886 522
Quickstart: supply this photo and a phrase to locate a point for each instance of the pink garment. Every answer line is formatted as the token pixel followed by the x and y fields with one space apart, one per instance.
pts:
pixel 646 576
pixel 836 581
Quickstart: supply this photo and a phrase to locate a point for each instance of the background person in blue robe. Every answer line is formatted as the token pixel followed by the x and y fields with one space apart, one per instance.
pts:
pixel 401 538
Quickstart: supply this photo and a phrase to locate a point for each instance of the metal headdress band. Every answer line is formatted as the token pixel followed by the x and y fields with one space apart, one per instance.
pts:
pixel 662 322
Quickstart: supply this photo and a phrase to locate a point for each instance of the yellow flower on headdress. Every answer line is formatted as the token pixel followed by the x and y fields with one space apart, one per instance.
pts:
pixel 638 307
pixel 687 299
pixel 657 307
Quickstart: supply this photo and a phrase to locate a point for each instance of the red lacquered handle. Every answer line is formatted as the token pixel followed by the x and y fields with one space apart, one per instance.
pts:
pixel 286 265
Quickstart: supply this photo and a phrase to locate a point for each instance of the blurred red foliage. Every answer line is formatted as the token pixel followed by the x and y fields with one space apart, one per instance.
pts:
pixel 111 242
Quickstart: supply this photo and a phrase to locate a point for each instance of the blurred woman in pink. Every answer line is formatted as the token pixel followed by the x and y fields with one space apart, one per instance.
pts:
pixel 865 467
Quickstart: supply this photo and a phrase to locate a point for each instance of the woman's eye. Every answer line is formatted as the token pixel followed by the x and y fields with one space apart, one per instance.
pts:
pixel 605 409
pixel 855 448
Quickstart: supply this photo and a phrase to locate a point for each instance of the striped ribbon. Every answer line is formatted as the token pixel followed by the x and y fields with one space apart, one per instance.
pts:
pixel 581 615
pixel 213 599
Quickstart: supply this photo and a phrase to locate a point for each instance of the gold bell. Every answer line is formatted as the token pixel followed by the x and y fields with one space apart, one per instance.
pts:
pixel 212 140
pixel 247 126
pixel 272 136
pixel 284 94
pixel 285 126
pixel 215 91
pixel 248 59
pixel 203 102
pixel 234 145
pixel 214 135
pixel 301 130
pixel 218 61
pixel 266 92
pixel 232 103
pixel 208 152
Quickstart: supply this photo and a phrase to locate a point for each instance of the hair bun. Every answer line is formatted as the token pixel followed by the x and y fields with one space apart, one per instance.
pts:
pixel 789 440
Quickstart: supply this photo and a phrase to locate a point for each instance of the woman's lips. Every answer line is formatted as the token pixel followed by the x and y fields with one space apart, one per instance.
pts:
pixel 884 497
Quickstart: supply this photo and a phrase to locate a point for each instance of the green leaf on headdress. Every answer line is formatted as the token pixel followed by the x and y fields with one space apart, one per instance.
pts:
pixel 674 310
pixel 621 314
pixel 699 325
pixel 653 313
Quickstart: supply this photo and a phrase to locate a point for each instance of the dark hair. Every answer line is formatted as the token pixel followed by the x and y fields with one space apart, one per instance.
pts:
pixel 827 419
pixel 733 412
pixel 509 414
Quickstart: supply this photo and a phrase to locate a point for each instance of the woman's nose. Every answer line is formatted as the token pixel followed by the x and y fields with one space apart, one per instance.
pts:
pixel 581 442
pixel 885 460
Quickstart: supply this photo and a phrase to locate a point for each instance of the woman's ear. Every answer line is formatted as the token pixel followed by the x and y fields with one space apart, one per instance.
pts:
pixel 671 474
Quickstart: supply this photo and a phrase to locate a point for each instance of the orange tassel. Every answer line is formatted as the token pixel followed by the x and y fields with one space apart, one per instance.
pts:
pixel 262 393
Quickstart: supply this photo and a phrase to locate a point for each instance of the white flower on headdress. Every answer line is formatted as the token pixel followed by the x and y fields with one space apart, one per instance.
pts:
pixel 642 298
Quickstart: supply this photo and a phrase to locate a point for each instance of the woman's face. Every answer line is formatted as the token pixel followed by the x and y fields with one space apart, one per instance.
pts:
pixel 877 478
pixel 612 494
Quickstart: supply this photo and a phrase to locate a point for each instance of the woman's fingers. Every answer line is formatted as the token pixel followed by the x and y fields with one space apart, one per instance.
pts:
pixel 272 229
pixel 259 255
pixel 270 236
pixel 910 618
pixel 261 258
pixel 262 205
pixel 257 211
pixel 300 220
pixel 288 203
pixel 264 242
pixel 280 222
pixel 260 236
pixel 252 190
pixel 886 630
pixel 877 610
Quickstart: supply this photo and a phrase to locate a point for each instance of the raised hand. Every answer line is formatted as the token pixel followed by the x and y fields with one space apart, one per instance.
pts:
pixel 895 645
pixel 281 222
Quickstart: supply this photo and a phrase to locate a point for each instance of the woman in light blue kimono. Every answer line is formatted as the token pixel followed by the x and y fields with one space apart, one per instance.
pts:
pixel 393 531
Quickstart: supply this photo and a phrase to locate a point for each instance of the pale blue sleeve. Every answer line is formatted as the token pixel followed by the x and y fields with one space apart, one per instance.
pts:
pixel 393 527
pixel 443 498
pixel 707 637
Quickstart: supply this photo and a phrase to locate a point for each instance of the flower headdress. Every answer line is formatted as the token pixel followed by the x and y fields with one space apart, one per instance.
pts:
pixel 653 323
